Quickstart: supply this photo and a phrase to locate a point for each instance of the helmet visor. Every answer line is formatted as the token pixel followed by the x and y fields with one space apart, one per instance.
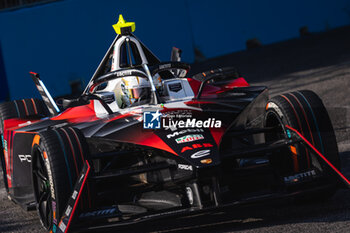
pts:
pixel 136 93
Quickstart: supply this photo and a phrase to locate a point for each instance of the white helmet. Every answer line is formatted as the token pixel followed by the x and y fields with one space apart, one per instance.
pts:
pixel 132 89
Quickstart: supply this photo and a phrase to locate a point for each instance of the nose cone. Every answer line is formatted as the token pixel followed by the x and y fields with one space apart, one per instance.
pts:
pixel 195 145
pixel 188 133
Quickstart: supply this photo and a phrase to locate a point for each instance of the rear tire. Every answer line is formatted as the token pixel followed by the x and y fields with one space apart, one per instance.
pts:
pixel 23 109
pixel 57 160
pixel 304 111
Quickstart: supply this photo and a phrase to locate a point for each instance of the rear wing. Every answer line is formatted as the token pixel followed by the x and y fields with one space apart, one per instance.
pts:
pixel 47 98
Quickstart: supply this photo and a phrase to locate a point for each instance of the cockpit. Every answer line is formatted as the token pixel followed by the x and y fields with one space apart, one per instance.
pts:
pixel 131 75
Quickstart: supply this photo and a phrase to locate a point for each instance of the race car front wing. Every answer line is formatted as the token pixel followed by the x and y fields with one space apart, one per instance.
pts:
pixel 115 215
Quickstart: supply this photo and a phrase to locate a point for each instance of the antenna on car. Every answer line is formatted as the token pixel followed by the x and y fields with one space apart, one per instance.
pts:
pixel 124 28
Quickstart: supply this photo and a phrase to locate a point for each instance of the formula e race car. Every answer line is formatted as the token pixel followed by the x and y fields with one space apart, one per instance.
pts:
pixel 145 141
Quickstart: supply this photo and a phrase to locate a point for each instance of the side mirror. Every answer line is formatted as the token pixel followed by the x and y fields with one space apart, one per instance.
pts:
pixel 69 103
pixel 175 54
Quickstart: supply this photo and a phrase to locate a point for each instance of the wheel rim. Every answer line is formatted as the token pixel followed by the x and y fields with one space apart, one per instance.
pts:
pixel 273 120
pixel 282 164
pixel 42 190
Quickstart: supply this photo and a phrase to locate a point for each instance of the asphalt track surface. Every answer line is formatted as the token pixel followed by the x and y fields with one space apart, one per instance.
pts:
pixel 318 62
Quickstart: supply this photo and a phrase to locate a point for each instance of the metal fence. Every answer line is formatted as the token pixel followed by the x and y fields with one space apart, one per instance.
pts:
pixel 15 4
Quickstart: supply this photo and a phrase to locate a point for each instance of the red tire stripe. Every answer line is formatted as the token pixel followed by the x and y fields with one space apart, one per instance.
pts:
pixel 83 160
pixel 74 157
pixel 25 108
pixel 308 125
pixel 34 106
pixel 79 145
pixel 299 123
pixel 71 147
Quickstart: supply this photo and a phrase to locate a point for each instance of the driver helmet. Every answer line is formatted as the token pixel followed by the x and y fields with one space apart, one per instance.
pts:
pixel 132 89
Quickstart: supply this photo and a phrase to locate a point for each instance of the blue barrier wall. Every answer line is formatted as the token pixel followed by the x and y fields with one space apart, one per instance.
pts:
pixel 66 40
pixel 4 91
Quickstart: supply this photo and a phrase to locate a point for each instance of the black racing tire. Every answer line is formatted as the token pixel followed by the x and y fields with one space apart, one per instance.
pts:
pixel 3 164
pixel 24 109
pixel 58 157
pixel 305 111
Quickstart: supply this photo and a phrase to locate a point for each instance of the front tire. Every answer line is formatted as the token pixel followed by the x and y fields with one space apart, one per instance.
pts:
pixel 304 111
pixel 57 159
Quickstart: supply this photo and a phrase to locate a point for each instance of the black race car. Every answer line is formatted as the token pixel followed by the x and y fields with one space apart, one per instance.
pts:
pixel 145 141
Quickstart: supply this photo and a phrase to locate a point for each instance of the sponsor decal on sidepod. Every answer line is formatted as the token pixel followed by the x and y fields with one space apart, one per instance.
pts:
pixel 185 167
pixel 189 138
pixel 177 133
pixel 200 154
pixel 196 146
pixel 26 158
